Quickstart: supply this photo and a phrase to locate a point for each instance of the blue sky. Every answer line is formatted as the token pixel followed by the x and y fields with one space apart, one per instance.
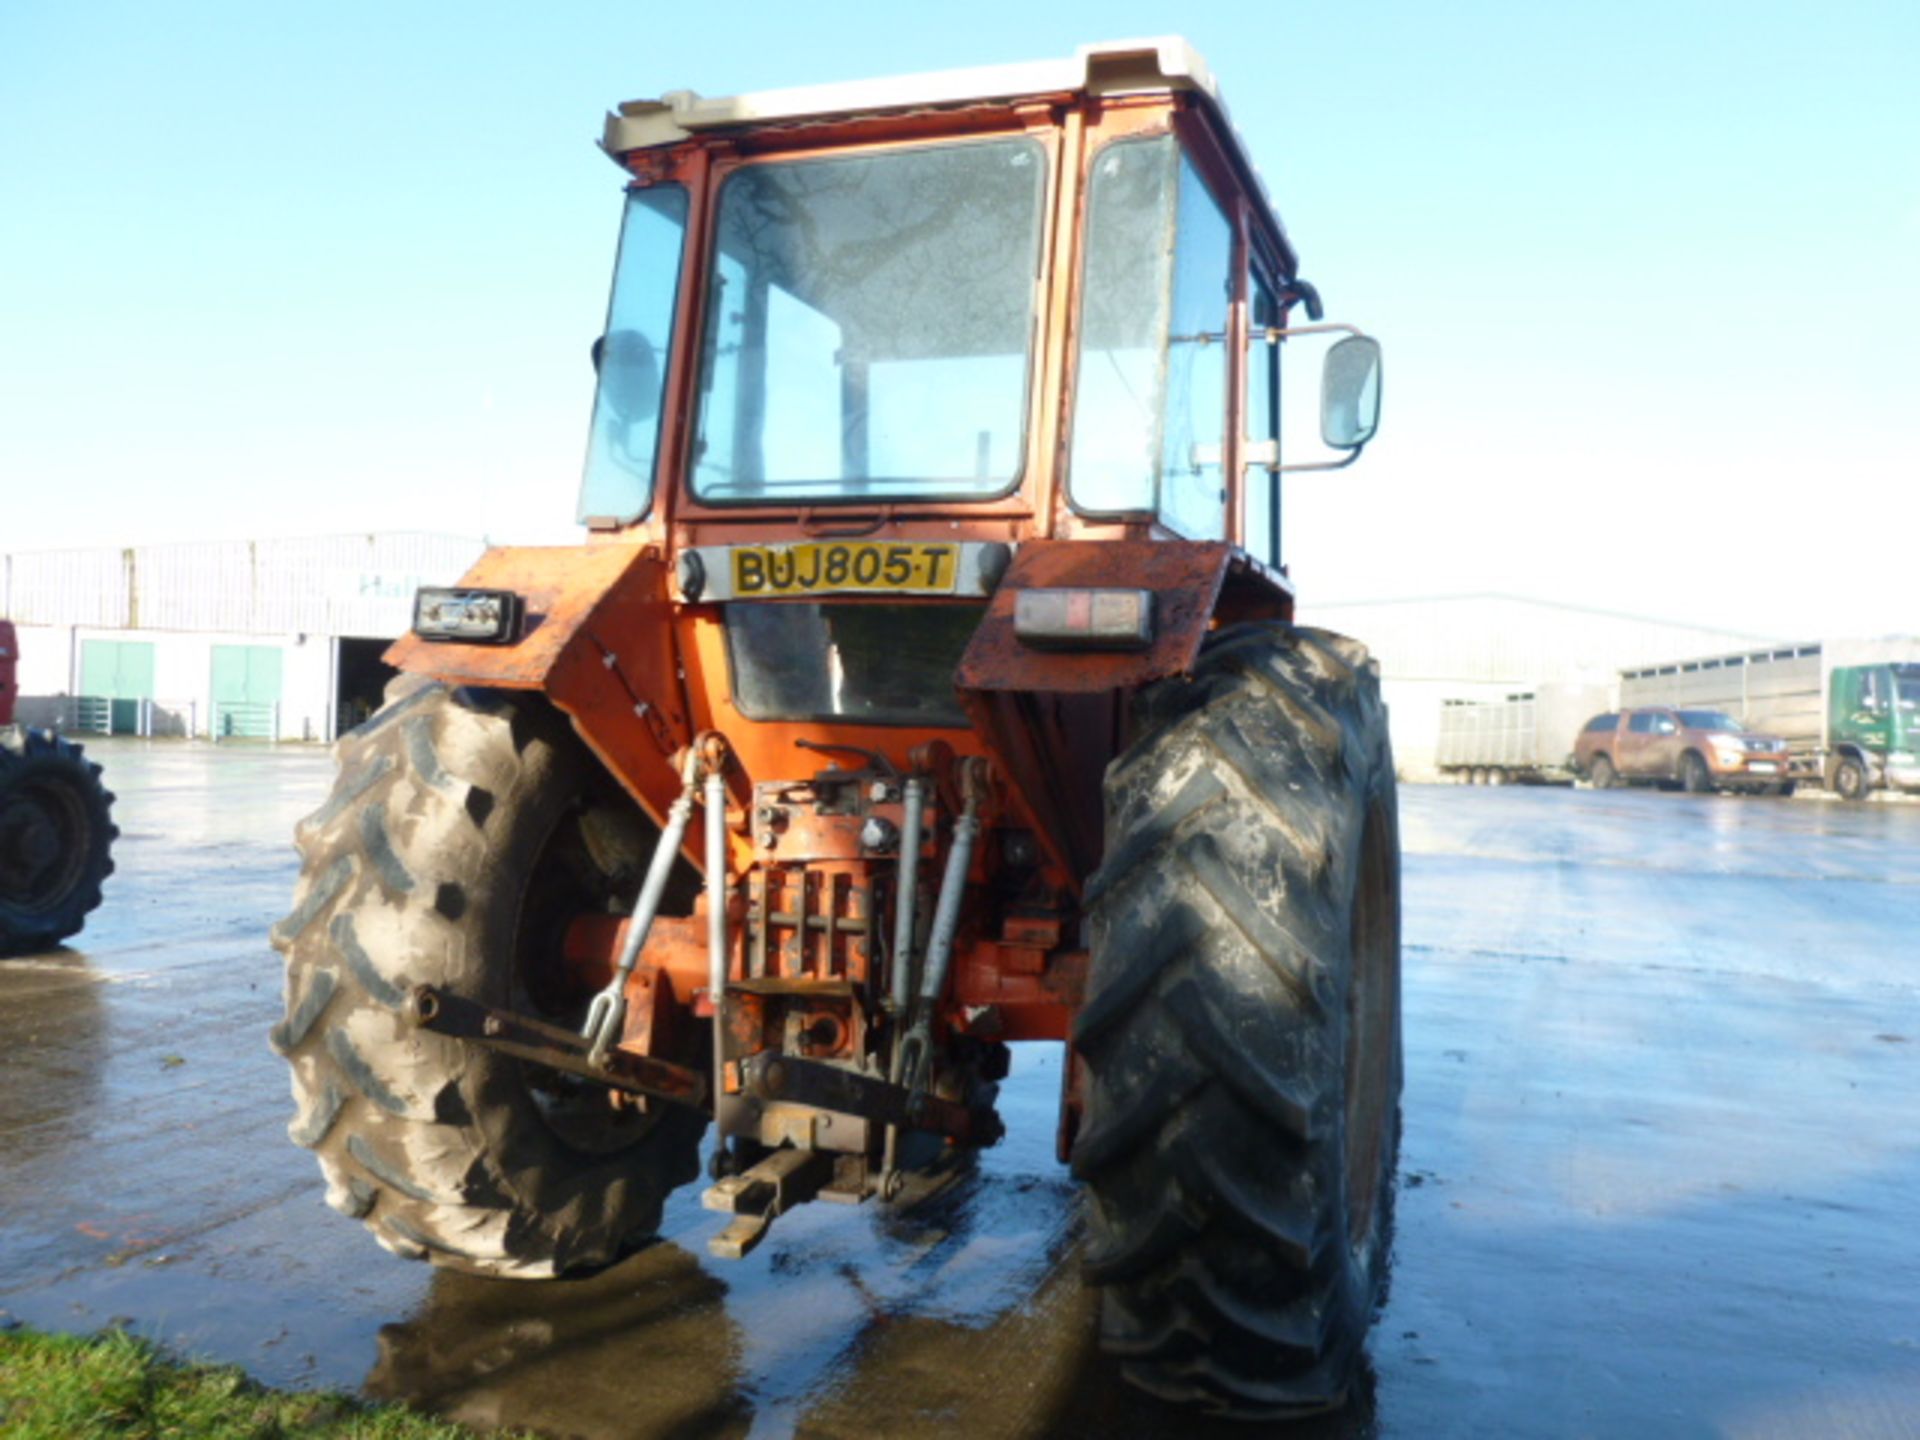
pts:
pixel 1646 273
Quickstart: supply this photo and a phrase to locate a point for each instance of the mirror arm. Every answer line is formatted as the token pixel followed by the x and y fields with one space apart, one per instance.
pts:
pixel 1271 333
pixel 1351 456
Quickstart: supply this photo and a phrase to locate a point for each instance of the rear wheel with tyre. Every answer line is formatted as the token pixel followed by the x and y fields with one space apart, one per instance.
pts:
pixel 1242 1028
pixel 1602 774
pixel 1850 779
pixel 56 839
pixel 1695 777
pixel 463 833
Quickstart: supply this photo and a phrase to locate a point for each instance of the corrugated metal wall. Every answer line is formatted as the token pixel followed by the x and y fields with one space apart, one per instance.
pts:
pixel 329 585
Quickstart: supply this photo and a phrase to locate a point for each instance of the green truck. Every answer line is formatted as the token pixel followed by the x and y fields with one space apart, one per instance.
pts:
pixel 1849 710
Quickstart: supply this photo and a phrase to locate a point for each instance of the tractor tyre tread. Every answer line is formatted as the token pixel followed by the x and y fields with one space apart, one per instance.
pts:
pixel 42 757
pixel 409 875
pixel 1213 1143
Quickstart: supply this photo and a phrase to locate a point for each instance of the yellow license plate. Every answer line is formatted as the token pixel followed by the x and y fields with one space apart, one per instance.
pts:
pixel 928 568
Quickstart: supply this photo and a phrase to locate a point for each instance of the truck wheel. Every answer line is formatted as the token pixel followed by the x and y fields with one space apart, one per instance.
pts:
pixel 56 835
pixel 1695 778
pixel 1479 775
pixel 1603 775
pixel 463 832
pixel 1784 789
pixel 1242 1028
pixel 1850 779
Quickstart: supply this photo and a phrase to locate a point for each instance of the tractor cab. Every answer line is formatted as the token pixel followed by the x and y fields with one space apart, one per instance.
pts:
pixel 1048 301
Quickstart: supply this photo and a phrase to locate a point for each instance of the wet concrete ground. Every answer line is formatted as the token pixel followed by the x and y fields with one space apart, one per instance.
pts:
pixel 1660 1173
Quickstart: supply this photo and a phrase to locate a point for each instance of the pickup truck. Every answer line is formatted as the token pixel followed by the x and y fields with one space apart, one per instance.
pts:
pixel 1699 751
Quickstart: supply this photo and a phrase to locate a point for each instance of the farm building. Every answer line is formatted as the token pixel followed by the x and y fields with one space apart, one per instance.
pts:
pixel 1482 647
pixel 257 639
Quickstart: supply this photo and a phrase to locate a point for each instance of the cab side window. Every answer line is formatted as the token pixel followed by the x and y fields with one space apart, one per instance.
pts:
pixel 1150 399
pixel 1641 723
pixel 1193 497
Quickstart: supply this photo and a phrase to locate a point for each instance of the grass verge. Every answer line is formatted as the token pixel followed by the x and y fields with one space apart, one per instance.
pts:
pixel 114 1386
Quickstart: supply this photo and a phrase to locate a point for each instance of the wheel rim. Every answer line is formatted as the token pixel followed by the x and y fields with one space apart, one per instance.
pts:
pixel 562 882
pixel 44 835
pixel 1372 1003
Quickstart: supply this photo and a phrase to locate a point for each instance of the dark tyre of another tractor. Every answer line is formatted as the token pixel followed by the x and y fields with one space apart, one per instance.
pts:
pixel 464 830
pixel 56 839
pixel 1695 778
pixel 1242 1028
pixel 1601 773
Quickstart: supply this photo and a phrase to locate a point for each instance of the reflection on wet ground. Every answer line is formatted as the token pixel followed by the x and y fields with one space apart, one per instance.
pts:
pixel 1661 1124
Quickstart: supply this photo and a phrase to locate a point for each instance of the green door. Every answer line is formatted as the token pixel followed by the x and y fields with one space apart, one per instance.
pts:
pixel 246 691
pixel 1862 707
pixel 115 676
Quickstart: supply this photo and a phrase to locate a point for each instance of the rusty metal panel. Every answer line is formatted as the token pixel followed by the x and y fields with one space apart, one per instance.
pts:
pixel 598 640
pixel 562 586
pixel 1051 718
pixel 1185 577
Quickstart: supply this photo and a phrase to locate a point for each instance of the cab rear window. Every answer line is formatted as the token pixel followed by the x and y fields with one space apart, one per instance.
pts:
pixel 1600 724
pixel 881 664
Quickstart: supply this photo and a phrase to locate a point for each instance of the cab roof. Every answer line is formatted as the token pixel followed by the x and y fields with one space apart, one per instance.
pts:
pixel 1163 64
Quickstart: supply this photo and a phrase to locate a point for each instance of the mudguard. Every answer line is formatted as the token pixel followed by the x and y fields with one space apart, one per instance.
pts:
pixel 596 639
pixel 1052 718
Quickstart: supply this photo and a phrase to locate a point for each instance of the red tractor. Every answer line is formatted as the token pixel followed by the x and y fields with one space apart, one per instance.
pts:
pixel 56 830
pixel 933 562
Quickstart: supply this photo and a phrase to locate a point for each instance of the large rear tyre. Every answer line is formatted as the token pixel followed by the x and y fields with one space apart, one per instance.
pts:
pixel 464 831
pixel 56 839
pixel 1601 774
pixel 1242 1028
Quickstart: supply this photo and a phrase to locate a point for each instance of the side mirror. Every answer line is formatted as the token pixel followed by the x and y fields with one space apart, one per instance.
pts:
pixel 1350 393
pixel 629 375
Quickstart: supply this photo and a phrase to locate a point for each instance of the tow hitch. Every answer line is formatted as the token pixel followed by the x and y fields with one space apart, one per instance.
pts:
pixel 444 1013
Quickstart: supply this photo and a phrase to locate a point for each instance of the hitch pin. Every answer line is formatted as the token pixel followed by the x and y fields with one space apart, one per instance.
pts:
pixel 607 1016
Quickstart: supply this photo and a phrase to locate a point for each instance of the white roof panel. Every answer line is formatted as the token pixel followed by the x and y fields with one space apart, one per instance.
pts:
pixel 1165 62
